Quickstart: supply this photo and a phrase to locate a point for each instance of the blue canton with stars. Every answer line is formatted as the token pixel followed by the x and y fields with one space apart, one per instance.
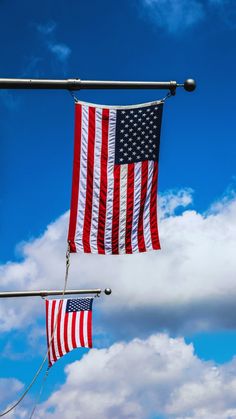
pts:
pixel 138 134
pixel 82 304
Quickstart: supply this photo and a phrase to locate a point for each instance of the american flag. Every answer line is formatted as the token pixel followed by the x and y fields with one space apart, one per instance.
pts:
pixel 114 187
pixel 69 326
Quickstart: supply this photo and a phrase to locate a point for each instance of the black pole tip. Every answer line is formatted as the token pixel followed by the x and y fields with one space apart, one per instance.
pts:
pixel 190 85
pixel 107 291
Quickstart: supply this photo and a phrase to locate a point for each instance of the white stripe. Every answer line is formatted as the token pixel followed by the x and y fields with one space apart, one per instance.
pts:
pixel 62 326
pixel 55 328
pixel 77 329
pixel 137 198
pixel 85 329
pixel 96 180
pixel 110 181
pixel 114 107
pixel 123 207
pixel 69 331
pixel 146 213
pixel 83 180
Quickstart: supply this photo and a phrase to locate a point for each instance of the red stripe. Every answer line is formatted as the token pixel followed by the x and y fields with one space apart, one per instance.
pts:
pixel 81 328
pixel 103 183
pixel 47 331
pixel 90 345
pixel 73 329
pixel 58 327
pixel 130 208
pixel 153 210
pixel 67 349
pixel 116 211
pixel 52 329
pixel 89 187
pixel 75 178
pixel 144 181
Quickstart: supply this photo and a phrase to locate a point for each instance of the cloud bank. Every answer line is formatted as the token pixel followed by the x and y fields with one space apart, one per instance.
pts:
pixel 186 287
pixel 142 379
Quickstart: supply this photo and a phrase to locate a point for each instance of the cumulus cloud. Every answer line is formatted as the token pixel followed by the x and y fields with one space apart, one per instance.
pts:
pixel 156 376
pixel 187 286
pixel 175 16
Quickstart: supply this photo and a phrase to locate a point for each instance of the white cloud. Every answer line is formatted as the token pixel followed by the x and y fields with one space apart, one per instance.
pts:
pixel 61 51
pixel 136 380
pixel 187 286
pixel 47 28
pixel 174 15
pixel 9 387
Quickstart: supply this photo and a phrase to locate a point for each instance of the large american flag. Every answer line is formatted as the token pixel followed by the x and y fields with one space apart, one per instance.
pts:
pixel 68 325
pixel 114 187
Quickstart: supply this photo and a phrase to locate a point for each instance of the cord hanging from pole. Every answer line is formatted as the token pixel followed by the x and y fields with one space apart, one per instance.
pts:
pixel 50 343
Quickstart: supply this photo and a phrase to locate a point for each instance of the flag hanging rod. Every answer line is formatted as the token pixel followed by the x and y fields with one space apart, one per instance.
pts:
pixel 77 84
pixel 45 293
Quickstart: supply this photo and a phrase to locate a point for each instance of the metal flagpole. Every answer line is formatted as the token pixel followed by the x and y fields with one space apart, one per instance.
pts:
pixel 45 293
pixel 76 84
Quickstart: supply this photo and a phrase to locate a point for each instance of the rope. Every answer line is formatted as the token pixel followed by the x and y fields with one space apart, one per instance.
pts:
pixel 40 392
pixel 49 345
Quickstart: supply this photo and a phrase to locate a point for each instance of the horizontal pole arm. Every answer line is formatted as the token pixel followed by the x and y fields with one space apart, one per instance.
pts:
pixel 44 293
pixel 77 84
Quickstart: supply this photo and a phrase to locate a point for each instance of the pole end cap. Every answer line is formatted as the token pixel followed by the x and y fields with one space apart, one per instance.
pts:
pixel 107 291
pixel 190 85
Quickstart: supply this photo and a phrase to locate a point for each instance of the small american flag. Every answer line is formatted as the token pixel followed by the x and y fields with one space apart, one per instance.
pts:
pixel 114 187
pixel 69 321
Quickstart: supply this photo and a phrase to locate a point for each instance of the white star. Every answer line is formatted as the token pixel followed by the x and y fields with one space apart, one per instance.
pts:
pixel 122 140
pixel 143 123
pixel 126 126
pixel 134 153
pixel 138 148
pixel 127 116
pixel 143 132
pixel 131 111
pixel 122 122
pixel 126 135
pixel 130 148
pixel 154 126
pixel 125 145
pixel 122 130
pixel 131 129
pixel 122 111
pixel 134 134
pixel 146 155
pixel 125 154
pixel 129 158
pixel 139 128
pixel 121 149
pixel 121 159
pixel 142 151
pixel 151 122
pixel 147 136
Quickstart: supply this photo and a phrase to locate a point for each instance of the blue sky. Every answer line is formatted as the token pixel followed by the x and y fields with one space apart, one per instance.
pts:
pixel 182 322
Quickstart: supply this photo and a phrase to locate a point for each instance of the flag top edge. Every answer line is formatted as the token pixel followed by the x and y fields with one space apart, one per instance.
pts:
pixel 138 105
